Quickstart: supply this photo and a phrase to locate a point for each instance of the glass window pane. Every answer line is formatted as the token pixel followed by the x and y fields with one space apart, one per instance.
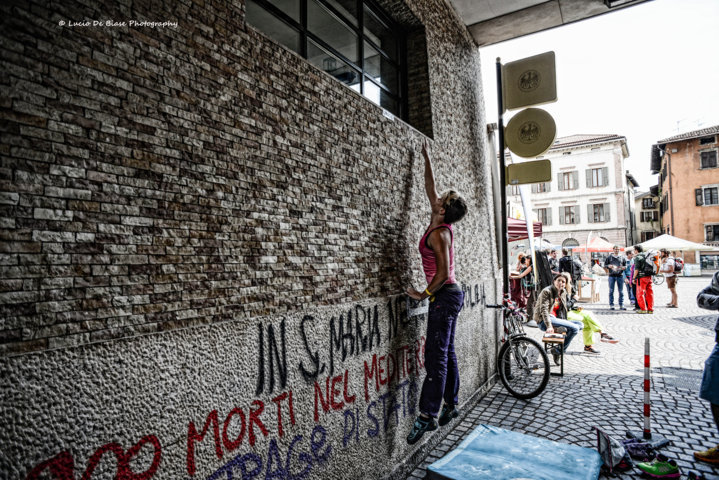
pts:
pixel 380 97
pixel 380 34
pixel 290 7
pixel 324 60
pixel 333 31
pixel 380 69
pixel 272 26
pixel 348 8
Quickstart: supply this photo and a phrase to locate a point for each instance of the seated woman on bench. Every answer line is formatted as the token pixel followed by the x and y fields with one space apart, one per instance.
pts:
pixel 551 310
pixel 576 313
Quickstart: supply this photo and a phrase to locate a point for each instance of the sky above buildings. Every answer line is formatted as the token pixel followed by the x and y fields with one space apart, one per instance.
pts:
pixel 646 72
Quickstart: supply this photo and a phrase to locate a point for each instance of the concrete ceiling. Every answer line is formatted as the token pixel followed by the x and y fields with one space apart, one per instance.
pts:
pixel 494 21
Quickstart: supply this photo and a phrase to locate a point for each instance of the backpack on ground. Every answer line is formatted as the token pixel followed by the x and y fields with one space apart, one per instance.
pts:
pixel 678 265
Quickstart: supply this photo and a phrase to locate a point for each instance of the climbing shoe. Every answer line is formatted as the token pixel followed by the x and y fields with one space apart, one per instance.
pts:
pixel 420 426
pixel 448 413
pixel 709 456
pixel 661 467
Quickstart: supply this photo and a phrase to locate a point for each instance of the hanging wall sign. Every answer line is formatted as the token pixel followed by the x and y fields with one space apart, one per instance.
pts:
pixel 529 81
pixel 530 133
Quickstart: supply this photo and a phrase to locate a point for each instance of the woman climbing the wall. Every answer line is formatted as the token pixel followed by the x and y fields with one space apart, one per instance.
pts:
pixel 446 299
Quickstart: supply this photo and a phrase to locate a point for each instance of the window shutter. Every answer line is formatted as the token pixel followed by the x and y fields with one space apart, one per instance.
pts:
pixel 605 176
pixel 534 188
pixel 607 216
pixel 589 177
pixel 575 179
pixel 548 187
pixel 560 181
pixel 709 236
pixel 575 211
pixel 549 216
pixel 561 215
pixel 699 196
pixel 590 211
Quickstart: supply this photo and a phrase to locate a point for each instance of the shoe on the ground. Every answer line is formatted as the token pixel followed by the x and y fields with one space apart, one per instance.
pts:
pixel 448 413
pixel 649 312
pixel 532 324
pixel 697 476
pixel 709 456
pixel 640 311
pixel 673 306
pixel 556 354
pixel 420 426
pixel 590 349
pixel 611 307
pixel 622 308
pixel 605 337
pixel 661 467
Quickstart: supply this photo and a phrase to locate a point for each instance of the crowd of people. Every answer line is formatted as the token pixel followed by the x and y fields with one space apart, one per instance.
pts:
pixel 550 292
pixel 631 270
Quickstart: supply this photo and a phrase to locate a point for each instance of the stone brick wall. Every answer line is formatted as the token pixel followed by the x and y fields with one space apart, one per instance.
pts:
pixel 177 202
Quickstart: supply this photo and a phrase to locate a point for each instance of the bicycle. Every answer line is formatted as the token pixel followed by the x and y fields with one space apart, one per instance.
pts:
pixel 522 363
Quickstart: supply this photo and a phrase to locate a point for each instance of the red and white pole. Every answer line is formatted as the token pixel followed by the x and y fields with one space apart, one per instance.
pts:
pixel 647 386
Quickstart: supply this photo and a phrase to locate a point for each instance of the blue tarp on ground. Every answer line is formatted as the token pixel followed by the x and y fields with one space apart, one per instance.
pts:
pixel 491 453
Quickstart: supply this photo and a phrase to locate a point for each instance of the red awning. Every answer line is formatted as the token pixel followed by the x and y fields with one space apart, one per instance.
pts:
pixel 517 229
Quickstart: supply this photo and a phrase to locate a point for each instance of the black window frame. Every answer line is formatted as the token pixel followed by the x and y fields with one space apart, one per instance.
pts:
pixel 711 232
pixel 359 30
pixel 707 154
pixel 713 195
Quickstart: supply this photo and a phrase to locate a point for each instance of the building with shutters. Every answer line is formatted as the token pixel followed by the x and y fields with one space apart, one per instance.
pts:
pixel 688 170
pixel 646 216
pixel 590 193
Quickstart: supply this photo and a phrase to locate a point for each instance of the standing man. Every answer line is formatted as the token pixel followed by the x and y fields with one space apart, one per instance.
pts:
pixel 668 271
pixel 614 265
pixel 643 280
pixel 628 272
pixel 553 263
pixel 709 390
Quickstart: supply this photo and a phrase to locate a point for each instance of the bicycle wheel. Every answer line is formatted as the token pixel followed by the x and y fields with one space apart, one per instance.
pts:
pixel 658 279
pixel 523 367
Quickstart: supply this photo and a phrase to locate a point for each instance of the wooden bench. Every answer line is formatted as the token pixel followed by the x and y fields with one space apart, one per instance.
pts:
pixel 551 340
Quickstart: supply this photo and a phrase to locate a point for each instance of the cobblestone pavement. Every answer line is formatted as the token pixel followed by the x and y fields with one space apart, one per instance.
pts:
pixel 606 390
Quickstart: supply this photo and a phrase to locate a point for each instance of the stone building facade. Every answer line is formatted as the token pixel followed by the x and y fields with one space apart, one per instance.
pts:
pixel 206 240
pixel 590 193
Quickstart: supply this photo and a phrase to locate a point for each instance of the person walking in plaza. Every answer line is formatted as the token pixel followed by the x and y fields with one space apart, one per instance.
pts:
pixel 576 313
pixel 708 299
pixel 643 280
pixel 550 310
pixel 628 272
pixel 669 275
pixel 614 265
pixel 446 298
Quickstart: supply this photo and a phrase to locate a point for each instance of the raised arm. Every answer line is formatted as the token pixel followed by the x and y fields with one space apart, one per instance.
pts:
pixel 429 185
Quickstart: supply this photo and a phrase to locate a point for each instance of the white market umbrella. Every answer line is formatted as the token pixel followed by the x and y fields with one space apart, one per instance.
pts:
pixel 672 243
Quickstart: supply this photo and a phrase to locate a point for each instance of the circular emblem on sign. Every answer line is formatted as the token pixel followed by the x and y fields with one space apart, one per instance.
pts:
pixel 529 132
pixel 529 80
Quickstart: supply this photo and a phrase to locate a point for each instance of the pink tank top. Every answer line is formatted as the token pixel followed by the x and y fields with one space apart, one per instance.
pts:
pixel 429 260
